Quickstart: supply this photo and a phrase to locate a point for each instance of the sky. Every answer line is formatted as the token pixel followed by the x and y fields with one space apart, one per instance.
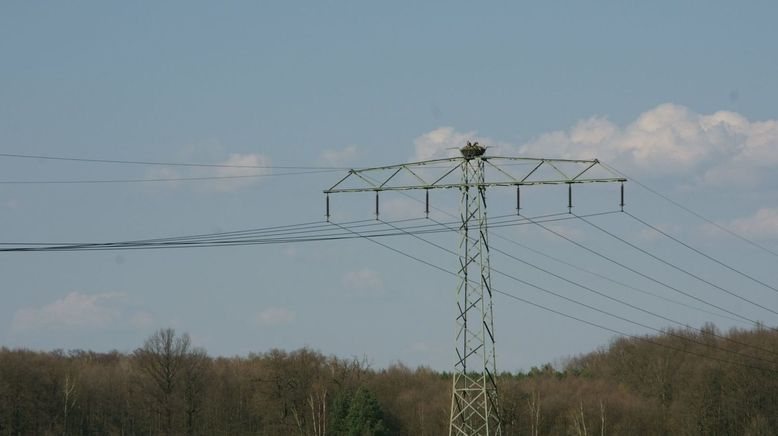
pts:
pixel 680 96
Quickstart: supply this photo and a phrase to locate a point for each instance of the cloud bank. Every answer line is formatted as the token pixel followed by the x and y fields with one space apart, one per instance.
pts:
pixel 761 225
pixel 240 171
pixel 275 316
pixel 364 282
pixel 79 310
pixel 669 140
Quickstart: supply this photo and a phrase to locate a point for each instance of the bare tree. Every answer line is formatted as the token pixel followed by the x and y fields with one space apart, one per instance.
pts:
pixel 578 420
pixel 195 372
pixel 602 419
pixel 317 400
pixel 162 359
pixel 533 402
pixel 68 399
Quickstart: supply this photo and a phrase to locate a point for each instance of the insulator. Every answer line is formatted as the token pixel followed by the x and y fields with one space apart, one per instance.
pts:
pixel 376 204
pixel 570 196
pixel 518 200
pixel 622 197
pixel 327 214
pixel 427 203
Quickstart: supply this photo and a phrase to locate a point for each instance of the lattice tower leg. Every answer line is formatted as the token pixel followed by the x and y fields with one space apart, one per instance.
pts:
pixel 474 406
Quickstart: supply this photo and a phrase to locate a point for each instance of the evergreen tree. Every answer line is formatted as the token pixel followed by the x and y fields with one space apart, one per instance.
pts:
pixel 365 417
pixel 339 414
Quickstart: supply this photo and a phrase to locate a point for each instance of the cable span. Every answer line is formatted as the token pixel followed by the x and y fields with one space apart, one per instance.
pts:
pixel 152 180
pixel 701 253
pixel 645 276
pixel 285 236
pixel 557 312
pixel 588 306
pixel 691 211
pixel 616 282
pixel 676 267
pixel 445 212
pixel 167 164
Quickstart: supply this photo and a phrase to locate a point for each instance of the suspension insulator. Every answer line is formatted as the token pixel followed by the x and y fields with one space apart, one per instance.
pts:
pixel 427 203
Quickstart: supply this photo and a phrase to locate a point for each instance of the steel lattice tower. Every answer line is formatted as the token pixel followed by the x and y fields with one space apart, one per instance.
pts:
pixel 474 409
pixel 474 400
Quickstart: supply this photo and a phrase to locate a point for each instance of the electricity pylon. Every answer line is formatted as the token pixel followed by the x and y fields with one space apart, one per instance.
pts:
pixel 474 400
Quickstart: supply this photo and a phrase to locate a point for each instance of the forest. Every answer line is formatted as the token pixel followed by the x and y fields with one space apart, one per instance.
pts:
pixel 682 382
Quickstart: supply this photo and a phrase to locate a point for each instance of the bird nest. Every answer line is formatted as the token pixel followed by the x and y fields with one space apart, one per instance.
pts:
pixel 472 150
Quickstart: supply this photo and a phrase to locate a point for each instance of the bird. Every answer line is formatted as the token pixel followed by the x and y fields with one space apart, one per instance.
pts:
pixel 472 149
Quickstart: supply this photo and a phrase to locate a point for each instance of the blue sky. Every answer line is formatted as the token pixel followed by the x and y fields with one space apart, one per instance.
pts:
pixel 680 95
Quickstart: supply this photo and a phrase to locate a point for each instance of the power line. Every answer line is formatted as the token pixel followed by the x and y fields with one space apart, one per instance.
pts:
pixel 639 338
pixel 617 300
pixel 602 294
pixel 602 276
pixel 311 233
pixel 557 312
pixel 288 230
pixel 676 267
pixel 614 281
pixel 167 164
pixel 645 276
pixel 701 253
pixel 692 212
pixel 171 179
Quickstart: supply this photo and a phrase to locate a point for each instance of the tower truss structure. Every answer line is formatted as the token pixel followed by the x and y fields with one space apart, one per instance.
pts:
pixel 474 400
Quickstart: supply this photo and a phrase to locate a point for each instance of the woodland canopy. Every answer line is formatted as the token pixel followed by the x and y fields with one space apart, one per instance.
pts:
pixel 683 382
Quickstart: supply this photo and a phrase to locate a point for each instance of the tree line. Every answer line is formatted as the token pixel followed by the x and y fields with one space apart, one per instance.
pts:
pixel 683 382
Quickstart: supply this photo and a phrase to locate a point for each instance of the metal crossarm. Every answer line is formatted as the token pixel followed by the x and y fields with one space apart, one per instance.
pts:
pixel 498 171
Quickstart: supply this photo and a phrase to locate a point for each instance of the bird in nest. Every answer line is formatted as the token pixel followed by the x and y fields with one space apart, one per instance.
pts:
pixel 472 149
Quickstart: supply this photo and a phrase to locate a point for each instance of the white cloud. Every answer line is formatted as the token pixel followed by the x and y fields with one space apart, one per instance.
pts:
pixel 75 310
pixel 276 316
pixel 240 160
pixel 142 319
pixel 340 157
pixel 364 282
pixel 440 143
pixel 723 147
pixel 650 235
pixel 446 141
pixel 240 173
pixel 668 140
pixel 761 225
pixel 165 173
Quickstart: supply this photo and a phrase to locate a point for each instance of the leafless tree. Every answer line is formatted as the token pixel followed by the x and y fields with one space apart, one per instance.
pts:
pixel 68 399
pixel 162 359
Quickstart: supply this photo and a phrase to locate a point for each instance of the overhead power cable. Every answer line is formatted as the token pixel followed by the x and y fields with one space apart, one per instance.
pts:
pixel 676 267
pixel 701 253
pixel 152 180
pixel 557 312
pixel 167 164
pixel 294 235
pixel 596 274
pixel 692 212
pixel 602 294
pixel 645 276
pixel 614 281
